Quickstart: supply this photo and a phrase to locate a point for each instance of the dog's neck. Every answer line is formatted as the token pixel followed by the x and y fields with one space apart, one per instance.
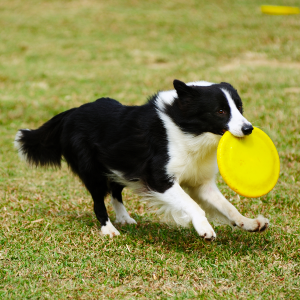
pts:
pixel 192 158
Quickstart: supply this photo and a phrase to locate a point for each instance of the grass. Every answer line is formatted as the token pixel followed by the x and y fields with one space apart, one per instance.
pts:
pixel 55 55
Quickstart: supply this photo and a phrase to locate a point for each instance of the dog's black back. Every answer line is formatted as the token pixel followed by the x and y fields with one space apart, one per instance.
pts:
pixel 129 139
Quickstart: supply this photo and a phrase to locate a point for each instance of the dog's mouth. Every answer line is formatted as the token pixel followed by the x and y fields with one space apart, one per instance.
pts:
pixel 223 131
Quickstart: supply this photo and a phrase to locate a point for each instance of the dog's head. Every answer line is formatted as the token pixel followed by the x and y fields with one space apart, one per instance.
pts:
pixel 207 107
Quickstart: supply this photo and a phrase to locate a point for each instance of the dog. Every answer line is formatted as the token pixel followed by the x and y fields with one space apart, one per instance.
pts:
pixel 165 150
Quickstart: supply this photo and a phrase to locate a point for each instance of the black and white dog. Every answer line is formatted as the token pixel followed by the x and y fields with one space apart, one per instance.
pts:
pixel 165 150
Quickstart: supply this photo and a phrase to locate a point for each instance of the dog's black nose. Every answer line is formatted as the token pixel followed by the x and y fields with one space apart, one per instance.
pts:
pixel 247 129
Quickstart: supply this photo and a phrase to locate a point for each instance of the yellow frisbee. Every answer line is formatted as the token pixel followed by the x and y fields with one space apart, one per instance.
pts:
pixel 249 165
pixel 279 10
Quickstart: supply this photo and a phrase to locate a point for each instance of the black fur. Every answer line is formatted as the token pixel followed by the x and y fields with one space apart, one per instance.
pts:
pixel 41 146
pixel 197 109
pixel 102 136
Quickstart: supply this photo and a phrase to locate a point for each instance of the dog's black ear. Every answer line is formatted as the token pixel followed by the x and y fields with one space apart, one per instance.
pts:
pixel 181 88
pixel 183 91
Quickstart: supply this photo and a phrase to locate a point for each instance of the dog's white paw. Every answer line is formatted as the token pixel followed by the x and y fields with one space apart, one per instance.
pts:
pixel 204 229
pixel 253 225
pixel 109 229
pixel 122 215
pixel 125 219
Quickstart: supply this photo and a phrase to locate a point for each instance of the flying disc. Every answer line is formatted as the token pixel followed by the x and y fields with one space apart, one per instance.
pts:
pixel 279 10
pixel 249 165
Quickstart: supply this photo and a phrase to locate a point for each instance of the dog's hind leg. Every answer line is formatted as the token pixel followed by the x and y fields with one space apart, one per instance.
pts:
pixel 96 183
pixel 218 207
pixel 92 173
pixel 122 215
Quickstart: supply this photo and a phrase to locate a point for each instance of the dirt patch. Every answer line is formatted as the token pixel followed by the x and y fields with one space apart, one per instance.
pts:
pixel 257 60
pixel 293 90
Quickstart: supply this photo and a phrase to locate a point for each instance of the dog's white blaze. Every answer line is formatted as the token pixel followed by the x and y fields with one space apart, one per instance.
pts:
pixel 167 97
pixel 109 229
pixel 193 159
pixel 237 120
pixel 122 215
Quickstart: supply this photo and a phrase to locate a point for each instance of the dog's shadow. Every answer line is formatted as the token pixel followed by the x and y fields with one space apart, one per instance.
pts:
pixel 161 235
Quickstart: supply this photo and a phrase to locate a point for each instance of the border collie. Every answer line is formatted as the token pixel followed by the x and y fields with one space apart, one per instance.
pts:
pixel 165 150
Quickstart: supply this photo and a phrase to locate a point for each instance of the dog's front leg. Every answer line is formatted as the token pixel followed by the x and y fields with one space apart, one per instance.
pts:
pixel 176 200
pixel 216 205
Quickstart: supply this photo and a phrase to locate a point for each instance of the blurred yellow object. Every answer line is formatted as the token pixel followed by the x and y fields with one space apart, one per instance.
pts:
pixel 279 10
pixel 249 165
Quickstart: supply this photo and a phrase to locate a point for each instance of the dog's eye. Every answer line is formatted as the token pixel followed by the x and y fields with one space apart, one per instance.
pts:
pixel 221 112
pixel 240 108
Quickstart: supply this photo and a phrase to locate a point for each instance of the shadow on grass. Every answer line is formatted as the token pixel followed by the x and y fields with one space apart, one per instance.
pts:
pixel 152 233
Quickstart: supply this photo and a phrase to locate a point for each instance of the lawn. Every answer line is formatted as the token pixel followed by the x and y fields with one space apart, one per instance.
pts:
pixel 55 55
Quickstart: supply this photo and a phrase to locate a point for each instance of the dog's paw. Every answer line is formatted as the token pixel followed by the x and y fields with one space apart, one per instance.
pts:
pixel 125 219
pixel 253 225
pixel 122 215
pixel 109 229
pixel 204 229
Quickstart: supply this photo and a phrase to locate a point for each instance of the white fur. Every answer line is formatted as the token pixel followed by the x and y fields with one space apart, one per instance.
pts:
pixel 109 229
pixel 200 83
pixel 175 203
pixel 18 145
pixel 122 215
pixel 192 158
pixel 237 120
pixel 192 162
pixel 221 211
pixel 137 186
pixel 165 97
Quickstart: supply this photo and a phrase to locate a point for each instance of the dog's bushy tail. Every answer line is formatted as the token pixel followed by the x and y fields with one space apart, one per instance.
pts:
pixel 42 147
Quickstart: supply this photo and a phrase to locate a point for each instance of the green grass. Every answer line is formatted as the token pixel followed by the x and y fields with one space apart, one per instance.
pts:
pixel 55 55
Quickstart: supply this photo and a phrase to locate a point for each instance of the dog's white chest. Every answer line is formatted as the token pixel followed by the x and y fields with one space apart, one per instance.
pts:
pixel 194 161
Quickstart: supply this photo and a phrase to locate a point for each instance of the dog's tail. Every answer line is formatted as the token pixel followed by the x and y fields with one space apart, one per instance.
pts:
pixel 42 147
